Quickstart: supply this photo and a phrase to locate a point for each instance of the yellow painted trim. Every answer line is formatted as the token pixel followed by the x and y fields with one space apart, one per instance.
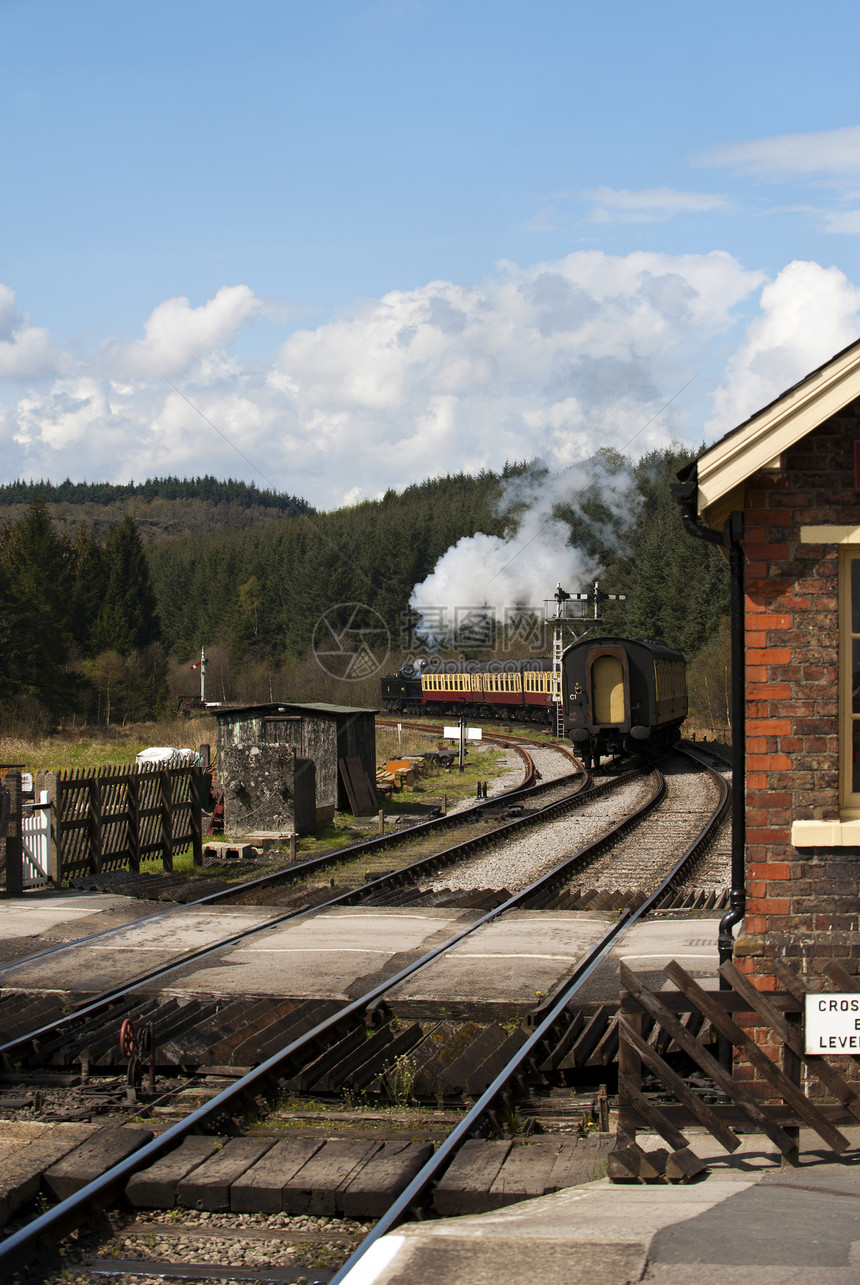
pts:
pixel 825 834
pixel 718 513
pixel 731 461
pixel 830 535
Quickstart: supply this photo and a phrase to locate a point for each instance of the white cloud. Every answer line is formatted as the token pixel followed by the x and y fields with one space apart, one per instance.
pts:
pixel 844 222
pixel 63 417
pixel 552 360
pixel 177 334
pixel 833 152
pixel 807 314
pixel 26 351
pixel 652 205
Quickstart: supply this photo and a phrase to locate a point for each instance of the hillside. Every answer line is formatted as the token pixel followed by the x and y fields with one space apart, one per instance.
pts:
pixel 161 507
pixel 107 594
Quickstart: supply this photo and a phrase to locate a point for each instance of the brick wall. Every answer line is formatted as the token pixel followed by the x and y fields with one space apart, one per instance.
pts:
pixel 802 904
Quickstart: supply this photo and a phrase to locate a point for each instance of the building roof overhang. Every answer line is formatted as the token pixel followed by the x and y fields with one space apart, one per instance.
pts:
pixel 759 442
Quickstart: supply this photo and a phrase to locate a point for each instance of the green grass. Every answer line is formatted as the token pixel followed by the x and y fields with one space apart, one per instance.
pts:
pixel 106 746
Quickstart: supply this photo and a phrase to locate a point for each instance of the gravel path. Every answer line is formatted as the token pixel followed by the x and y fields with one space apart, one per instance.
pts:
pixel 714 871
pixel 550 764
pixel 634 862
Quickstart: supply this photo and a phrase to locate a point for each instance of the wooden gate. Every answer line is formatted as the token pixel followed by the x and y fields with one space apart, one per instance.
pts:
pixel 36 842
pixel 117 818
pixel 777 1110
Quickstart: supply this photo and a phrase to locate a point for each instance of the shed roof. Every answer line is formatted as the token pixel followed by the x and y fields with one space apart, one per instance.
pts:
pixel 759 441
pixel 280 707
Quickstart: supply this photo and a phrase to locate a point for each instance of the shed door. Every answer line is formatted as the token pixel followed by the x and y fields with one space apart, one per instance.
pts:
pixel 607 686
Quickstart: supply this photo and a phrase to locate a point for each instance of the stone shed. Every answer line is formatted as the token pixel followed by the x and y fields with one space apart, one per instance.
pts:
pixel 781 492
pixel 324 734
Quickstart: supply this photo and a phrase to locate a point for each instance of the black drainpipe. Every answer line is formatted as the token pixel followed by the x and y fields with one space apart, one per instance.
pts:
pixel 731 539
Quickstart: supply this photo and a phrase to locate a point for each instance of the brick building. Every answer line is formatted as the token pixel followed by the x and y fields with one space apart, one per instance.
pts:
pixel 782 493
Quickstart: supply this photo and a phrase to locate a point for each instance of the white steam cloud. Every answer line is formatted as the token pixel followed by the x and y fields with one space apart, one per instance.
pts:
pixel 486 584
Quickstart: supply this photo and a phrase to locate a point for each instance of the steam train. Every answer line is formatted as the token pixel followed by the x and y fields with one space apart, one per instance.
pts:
pixel 619 695
pixel 622 696
pixel 520 689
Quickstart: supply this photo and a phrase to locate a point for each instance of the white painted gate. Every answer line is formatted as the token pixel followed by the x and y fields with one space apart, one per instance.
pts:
pixel 36 842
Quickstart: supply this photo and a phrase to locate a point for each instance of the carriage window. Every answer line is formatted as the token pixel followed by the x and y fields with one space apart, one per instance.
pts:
pixel 537 680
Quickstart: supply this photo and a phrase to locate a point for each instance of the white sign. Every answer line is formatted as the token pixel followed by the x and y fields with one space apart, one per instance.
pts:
pixel 832 1022
pixel 453 733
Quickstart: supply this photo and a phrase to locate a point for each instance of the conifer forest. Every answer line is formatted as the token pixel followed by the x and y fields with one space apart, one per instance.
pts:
pixel 109 592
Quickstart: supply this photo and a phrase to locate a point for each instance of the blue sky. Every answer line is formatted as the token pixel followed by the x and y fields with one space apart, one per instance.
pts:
pixel 370 242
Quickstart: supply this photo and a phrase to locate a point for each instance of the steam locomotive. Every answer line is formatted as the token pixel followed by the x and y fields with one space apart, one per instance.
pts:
pixel 619 695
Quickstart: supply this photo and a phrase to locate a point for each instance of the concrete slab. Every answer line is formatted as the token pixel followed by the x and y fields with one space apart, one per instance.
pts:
pixel 596 1234
pixel 60 913
pixel 511 961
pixel 43 919
pixel 750 1222
pixel 654 942
pixel 336 954
pixel 133 949
pixel 648 946
pixel 507 965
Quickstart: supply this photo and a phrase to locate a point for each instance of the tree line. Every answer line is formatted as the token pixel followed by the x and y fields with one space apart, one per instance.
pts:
pixel 108 628
pixel 210 489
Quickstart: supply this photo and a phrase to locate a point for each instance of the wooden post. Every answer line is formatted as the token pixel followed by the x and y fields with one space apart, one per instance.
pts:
pixel 292 848
pixel 196 818
pixel 629 1066
pixel 53 784
pixel 627 1162
pixel 133 812
pixel 791 1065
pixel 381 821
pixel 12 845
pixel 166 820
pixel 94 823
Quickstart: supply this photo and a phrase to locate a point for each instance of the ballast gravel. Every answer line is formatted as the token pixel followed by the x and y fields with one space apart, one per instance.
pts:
pixel 313 1247
pixel 516 863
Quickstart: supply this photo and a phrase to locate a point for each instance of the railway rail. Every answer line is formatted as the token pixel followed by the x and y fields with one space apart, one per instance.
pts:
pixel 396 885
pixel 367 849
pixel 358 856
pixel 283 1066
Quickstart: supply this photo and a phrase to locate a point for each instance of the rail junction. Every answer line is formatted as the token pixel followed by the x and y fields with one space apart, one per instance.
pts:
pixel 429 1035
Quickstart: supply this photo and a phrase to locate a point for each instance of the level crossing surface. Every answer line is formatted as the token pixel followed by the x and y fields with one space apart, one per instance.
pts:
pixel 331 954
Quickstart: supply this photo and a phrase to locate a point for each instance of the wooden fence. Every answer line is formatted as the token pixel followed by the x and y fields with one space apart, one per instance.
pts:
pixel 120 818
pixel 776 1106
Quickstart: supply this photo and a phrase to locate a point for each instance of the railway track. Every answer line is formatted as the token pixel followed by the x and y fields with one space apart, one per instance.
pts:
pixel 305 1061
pixel 363 874
pixel 368 853
pixel 96 1019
